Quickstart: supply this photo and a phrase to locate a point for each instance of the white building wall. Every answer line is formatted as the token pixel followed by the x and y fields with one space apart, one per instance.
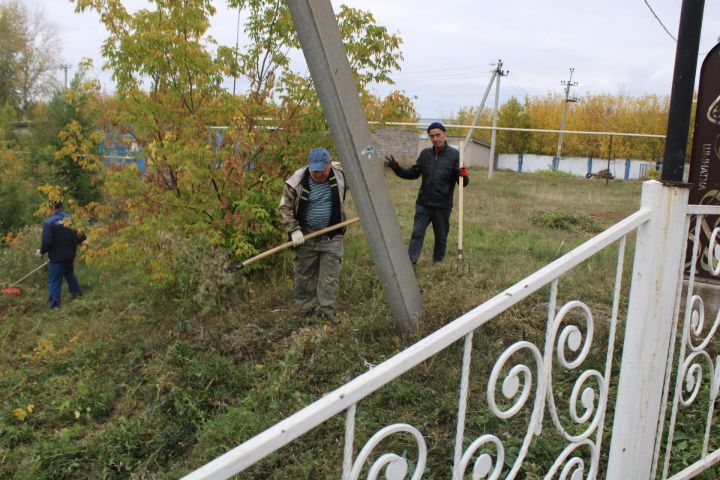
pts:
pixel 575 165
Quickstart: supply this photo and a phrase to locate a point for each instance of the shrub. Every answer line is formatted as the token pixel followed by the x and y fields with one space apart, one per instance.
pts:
pixel 564 220
pixel 553 173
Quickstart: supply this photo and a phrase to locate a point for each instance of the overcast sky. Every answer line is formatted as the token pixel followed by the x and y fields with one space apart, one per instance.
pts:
pixel 615 46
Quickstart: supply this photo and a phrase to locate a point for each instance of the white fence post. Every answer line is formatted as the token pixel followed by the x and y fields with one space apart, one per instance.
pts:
pixel 649 326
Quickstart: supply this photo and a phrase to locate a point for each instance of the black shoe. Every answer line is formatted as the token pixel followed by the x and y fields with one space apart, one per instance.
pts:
pixel 329 316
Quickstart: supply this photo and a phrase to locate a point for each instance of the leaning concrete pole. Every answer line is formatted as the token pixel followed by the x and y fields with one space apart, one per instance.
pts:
pixel 326 58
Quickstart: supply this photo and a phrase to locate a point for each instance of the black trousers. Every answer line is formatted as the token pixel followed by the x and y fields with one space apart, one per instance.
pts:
pixel 440 219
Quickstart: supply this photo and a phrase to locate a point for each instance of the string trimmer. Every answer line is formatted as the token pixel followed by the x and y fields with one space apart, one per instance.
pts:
pixel 13 290
pixel 289 244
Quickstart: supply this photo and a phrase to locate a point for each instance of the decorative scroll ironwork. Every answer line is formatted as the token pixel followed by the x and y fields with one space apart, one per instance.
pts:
pixel 394 466
pixel 694 358
pixel 484 464
pixel 567 343
pixel 570 344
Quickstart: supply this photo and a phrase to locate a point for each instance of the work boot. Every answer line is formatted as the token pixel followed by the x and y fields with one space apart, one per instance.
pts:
pixel 328 315
pixel 307 313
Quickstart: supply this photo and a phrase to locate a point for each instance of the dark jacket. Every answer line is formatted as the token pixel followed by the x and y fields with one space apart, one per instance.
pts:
pixel 440 172
pixel 60 241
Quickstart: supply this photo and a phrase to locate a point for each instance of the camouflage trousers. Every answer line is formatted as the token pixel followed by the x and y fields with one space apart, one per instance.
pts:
pixel 317 274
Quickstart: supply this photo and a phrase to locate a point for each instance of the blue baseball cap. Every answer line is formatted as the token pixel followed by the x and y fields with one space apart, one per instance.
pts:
pixel 318 159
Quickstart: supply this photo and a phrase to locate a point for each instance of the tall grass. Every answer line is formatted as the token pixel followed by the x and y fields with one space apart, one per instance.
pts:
pixel 130 383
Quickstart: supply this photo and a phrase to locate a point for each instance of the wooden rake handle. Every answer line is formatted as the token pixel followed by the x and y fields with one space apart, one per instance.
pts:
pixel 286 245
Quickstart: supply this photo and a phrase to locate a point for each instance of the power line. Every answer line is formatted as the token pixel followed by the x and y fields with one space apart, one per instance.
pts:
pixel 438 75
pixel 532 130
pixel 445 69
pixel 665 28
pixel 660 21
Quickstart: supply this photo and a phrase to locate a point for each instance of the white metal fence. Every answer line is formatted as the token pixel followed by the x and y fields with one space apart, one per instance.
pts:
pixel 523 379
pixel 697 365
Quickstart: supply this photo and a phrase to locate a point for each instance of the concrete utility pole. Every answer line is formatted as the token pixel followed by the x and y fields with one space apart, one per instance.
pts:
pixel 237 43
pixel 568 85
pixel 66 67
pixel 327 60
pixel 498 75
pixel 480 107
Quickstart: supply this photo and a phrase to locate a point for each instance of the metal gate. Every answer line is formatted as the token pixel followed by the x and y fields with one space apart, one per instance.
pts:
pixel 667 368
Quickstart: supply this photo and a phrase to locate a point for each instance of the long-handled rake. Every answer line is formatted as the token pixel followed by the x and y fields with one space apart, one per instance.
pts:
pixel 13 290
pixel 285 245
pixel 460 264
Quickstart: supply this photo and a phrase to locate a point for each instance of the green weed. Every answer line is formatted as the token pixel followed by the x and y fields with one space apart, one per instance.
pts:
pixel 132 381
pixel 565 220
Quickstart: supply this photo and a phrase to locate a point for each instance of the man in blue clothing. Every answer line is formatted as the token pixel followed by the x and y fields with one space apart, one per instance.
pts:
pixel 60 241
pixel 439 167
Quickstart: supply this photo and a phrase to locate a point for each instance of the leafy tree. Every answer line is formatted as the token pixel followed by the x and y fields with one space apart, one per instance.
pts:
pixel 395 107
pixel 30 47
pixel 66 140
pixel 465 116
pixel 168 70
pixel 7 119
pixel 595 113
pixel 11 18
pixel 513 114
pixel 374 53
pixel 18 194
pixel 168 84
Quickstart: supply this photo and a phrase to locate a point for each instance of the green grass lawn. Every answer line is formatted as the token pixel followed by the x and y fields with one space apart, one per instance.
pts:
pixel 125 383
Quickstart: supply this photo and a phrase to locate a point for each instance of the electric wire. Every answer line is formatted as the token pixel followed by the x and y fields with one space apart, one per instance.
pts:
pixel 702 54
pixel 444 69
pixel 660 21
pixel 438 76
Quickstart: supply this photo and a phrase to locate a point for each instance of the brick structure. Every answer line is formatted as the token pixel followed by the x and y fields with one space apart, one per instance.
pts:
pixel 406 144
pixel 401 143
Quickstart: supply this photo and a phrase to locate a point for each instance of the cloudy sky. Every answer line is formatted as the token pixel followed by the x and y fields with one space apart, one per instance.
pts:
pixel 615 46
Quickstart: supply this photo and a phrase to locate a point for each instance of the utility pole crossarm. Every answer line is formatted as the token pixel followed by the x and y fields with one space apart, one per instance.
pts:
pixel 65 67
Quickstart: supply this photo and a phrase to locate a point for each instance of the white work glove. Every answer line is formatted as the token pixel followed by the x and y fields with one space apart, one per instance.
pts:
pixel 297 238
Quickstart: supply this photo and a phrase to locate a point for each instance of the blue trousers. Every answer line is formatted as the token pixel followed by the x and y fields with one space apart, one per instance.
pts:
pixel 440 219
pixel 56 273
